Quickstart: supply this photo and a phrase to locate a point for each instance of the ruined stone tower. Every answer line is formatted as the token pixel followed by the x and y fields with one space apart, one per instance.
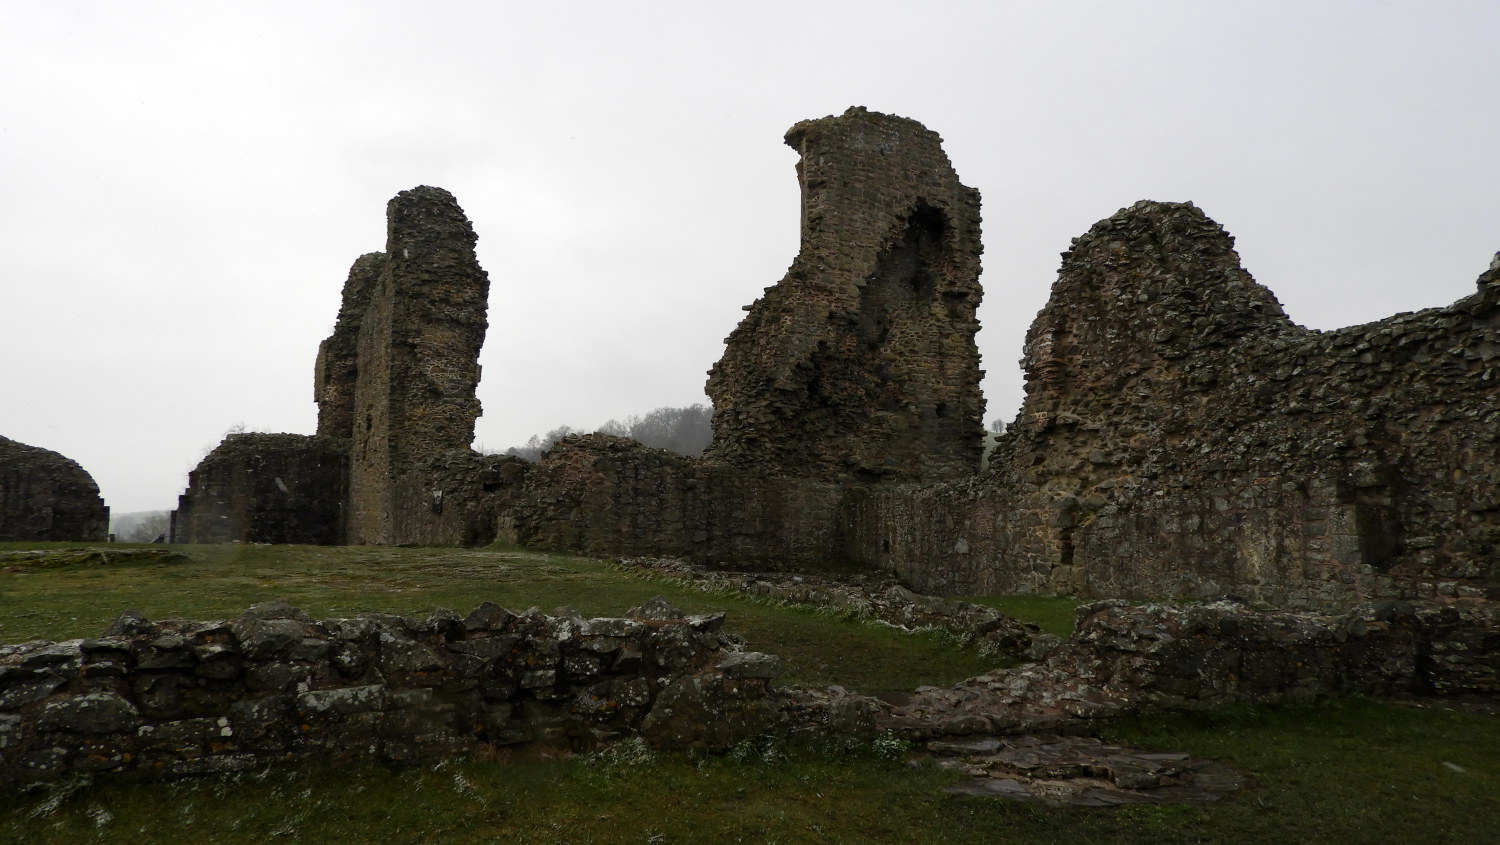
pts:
pixel 395 388
pixel 861 363
pixel 417 365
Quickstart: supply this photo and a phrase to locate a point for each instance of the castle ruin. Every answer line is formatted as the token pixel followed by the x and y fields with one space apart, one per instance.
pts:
pixel 45 496
pixel 1180 435
pixel 395 387
pixel 861 364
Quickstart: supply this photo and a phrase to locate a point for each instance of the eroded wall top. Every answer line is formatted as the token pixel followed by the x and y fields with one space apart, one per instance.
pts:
pixel 861 363
pixel 45 496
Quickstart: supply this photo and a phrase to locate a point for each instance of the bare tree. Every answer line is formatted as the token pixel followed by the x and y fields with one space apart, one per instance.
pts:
pixel 540 443
pixel 686 431
pixel 144 527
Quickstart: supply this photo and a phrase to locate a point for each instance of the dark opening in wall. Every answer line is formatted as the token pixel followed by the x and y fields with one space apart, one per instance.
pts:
pixel 906 275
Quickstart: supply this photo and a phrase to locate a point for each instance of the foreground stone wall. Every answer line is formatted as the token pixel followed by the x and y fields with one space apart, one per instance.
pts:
pixel 174 697
pixel 861 363
pixel 265 488
pixel 45 496
pixel 1181 436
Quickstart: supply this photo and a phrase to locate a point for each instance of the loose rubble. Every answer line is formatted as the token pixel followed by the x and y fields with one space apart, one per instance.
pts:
pixel 868 595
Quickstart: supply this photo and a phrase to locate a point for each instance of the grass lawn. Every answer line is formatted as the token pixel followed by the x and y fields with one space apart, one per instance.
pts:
pixel 1338 771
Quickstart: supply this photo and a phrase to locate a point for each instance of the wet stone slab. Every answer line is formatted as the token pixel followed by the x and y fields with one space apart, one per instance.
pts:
pixel 1078 771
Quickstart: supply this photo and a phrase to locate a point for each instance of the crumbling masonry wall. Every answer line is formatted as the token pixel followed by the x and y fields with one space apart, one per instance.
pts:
pixel 45 496
pixel 859 367
pixel 1181 436
pixel 266 488
pixel 418 360
pixel 395 386
pixel 607 495
pixel 336 373
pixel 861 363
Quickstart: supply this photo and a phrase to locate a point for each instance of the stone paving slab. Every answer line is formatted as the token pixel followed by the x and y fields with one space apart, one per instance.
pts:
pixel 1077 771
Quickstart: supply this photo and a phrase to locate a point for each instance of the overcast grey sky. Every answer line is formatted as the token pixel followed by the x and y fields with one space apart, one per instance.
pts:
pixel 183 186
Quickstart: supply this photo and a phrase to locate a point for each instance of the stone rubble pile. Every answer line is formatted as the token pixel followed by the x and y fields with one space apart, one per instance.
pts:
pixel 870 595
pixel 1126 659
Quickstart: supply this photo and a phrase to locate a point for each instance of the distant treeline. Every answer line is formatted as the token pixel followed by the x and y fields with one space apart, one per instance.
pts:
pixel 686 431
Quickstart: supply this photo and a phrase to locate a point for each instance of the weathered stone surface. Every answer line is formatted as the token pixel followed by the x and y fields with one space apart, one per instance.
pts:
pixel 395 385
pixel 1181 436
pixel 45 496
pixel 861 364
pixel 1125 659
pixel 265 488
pixel 176 697
pixel 710 711
pixel 336 374
pixel 751 664
pixel 91 713
pixel 1070 771
pixel 418 362
pixel 608 495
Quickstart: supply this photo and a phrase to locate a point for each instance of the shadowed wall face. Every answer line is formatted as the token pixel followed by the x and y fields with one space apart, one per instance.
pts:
pixel 266 488
pixel 45 496
pixel 860 365
pixel 337 371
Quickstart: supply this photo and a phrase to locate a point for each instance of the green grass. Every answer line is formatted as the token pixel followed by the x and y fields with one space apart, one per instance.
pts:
pixel 819 648
pixel 1053 614
pixel 1336 772
pixel 1331 772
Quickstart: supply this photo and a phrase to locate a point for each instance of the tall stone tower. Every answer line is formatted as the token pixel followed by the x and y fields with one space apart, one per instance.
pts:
pixel 417 365
pixel 861 365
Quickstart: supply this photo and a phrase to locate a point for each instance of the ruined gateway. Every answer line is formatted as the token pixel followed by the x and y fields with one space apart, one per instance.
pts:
pixel 1180 435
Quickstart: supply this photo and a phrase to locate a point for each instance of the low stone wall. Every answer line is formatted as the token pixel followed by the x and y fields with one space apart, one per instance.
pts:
pixel 875 596
pixel 175 697
pixel 1124 659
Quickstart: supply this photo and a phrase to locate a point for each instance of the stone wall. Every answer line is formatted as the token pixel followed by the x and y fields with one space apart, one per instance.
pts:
pixel 395 386
pixel 418 360
pixel 336 373
pixel 266 488
pixel 1181 436
pixel 861 364
pixel 607 495
pixel 45 496
pixel 463 498
pixel 1126 659
pixel 174 697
